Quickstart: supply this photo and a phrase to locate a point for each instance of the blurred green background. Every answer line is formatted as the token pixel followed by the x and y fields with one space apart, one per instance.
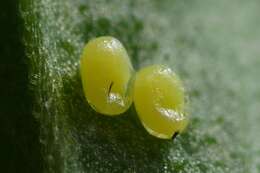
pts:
pixel 47 126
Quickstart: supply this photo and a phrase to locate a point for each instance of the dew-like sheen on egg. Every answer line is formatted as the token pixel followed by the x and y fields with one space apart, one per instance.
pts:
pixel 106 73
pixel 159 101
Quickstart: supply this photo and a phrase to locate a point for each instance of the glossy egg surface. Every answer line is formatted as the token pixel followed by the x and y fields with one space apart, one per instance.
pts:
pixel 159 101
pixel 107 74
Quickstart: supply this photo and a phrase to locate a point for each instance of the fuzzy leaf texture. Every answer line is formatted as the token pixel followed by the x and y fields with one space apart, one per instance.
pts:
pixel 212 45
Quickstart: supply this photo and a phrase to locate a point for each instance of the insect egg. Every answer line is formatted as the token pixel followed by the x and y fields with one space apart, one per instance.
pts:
pixel 107 74
pixel 159 101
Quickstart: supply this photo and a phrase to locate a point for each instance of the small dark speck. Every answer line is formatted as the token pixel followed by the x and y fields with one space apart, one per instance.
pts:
pixel 174 135
pixel 110 87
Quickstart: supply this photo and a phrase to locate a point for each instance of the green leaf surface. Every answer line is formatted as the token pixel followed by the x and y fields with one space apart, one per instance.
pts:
pixel 212 45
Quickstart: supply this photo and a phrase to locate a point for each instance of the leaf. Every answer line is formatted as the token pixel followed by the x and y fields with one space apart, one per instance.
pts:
pixel 204 42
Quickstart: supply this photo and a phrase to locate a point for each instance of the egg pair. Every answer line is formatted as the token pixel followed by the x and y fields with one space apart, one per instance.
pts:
pixel 111 84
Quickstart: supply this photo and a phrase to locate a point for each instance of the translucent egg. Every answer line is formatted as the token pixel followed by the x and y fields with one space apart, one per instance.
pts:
pixel 107 74
pixel 159 101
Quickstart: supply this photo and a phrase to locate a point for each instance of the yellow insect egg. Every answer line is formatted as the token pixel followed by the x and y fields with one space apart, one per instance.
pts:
pixel 159 101
pixel 107 73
